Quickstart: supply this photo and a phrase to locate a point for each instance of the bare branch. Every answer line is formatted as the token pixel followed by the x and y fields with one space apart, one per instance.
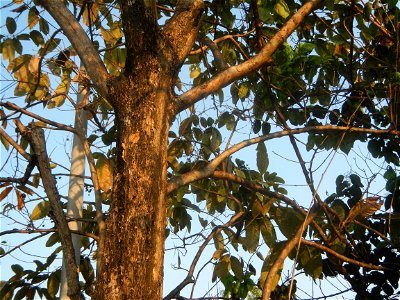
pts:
pixel 36 138
pixel 14 144
pixel 189 276
pixel 81 43
pixel 61 126
pixel 342 257
pixel 208 170
pixel 236 72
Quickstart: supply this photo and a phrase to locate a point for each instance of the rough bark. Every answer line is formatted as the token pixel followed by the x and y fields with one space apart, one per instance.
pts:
pixel 132 266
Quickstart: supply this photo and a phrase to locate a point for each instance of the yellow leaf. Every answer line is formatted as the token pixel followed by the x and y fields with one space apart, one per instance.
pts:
pixel 282 9
pixel 104 172
pixel 195 73
pixel 33 65
pixel 62 90
pixel 90 14
pixel 8 50
pixel 40 211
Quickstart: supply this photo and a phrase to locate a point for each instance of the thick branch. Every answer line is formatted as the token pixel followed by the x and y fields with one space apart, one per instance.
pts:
pixel 180 31
pixel 81 43
pixel 139 22
pixel 236 72
pixel 208 170
pixel 36 138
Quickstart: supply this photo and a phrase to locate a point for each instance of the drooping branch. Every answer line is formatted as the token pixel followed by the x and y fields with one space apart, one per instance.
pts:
pixel 81 43
pixel 208 169
pixel 344 258
pixel 262 190
pixel 35 136
pixel 236 72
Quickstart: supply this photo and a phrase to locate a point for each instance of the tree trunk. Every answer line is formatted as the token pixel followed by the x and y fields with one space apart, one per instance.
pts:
pixel 134 247
pixel 131 265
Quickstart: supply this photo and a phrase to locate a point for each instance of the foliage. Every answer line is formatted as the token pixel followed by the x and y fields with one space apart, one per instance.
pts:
pixel 337 78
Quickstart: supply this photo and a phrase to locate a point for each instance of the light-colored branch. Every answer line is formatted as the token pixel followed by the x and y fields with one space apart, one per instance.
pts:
pixel 236 72
pixel 221 39
pixel 208 170
pixel 80 42
pixel 289 246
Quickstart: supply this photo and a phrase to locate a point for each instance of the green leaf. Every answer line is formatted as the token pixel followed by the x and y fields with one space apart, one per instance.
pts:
pixel 222 267
pixel 288 221
pixel 53 283
pixel 252 235
pixel 237 267
pixel 36 37
pixel 17 269
pixel 267 231
pixel 40 211
pixel 44 26
pixel 33 17
pixel 11 25
pixel 256 126
pixel 243 91
pixel 53 239
pixel 219 241
pixel 268 262
pixel 282 9
pixel 262 158
pixel 311 260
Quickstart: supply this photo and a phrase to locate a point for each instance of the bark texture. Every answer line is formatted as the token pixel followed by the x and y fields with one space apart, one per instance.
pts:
pixel 133 249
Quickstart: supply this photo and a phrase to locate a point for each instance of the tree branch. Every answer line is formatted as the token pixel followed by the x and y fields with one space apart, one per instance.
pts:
pixel 81 43
pixel 180 31
pixel 236 72
pixel 260 189
pixel 35 136
pixel 344 258
pixel 208 170
pixel 189 278
pixel 289 246
pixel 14 144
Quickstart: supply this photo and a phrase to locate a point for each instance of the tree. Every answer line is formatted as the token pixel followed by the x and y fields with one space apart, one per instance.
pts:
pixel 332 86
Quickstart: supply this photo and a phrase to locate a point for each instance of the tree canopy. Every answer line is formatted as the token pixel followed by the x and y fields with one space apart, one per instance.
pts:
pixel 254 106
